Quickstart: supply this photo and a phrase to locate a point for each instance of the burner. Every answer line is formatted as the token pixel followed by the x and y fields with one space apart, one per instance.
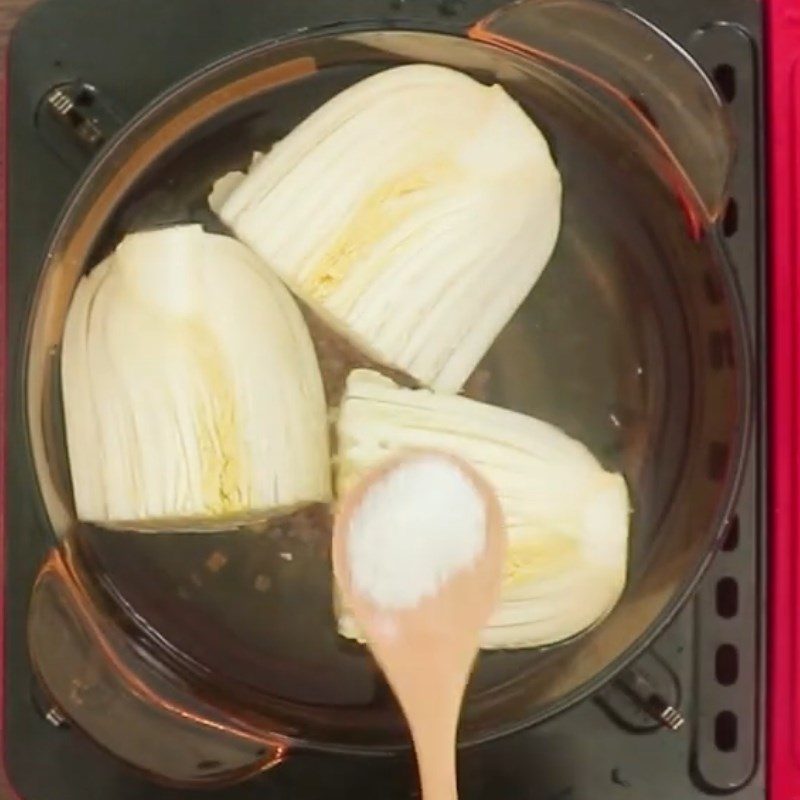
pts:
pixel 686 721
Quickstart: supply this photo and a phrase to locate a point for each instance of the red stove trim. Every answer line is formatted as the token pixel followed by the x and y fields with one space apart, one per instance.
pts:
pixel 783 71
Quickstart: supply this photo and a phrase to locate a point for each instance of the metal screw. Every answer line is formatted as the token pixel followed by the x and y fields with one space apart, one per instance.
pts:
pixel 55 718
pixel 62 106
pixel 672 718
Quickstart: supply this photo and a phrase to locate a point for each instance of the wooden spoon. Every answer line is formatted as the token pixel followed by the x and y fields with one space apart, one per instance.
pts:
pixel 427 652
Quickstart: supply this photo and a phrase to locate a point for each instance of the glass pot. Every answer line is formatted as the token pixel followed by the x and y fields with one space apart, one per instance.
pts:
pixel 203 659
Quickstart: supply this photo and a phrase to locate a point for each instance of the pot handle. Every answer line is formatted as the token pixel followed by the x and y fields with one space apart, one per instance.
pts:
pixel 105 684
pixel 655 83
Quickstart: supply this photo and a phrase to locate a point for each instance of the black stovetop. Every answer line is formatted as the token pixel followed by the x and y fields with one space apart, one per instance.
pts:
pixel 709 664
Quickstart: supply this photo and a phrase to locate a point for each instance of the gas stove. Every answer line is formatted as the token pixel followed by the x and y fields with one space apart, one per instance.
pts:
pixel 686 721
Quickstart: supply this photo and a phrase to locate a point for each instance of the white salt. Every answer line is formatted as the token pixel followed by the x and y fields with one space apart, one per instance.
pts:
pixel 414 529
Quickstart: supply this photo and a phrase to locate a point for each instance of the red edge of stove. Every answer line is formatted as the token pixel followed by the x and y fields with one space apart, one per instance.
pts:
pixel 783 80
pixel 7 791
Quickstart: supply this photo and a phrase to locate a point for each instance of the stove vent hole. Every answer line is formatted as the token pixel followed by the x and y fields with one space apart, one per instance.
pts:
pixel 731 540
pixel 730 221
pixel 727 598
pixel 726 665
pixel 725 78
pixel 726 731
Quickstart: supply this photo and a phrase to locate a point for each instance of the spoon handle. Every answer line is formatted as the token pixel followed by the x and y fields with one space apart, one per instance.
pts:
pixel 434 734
